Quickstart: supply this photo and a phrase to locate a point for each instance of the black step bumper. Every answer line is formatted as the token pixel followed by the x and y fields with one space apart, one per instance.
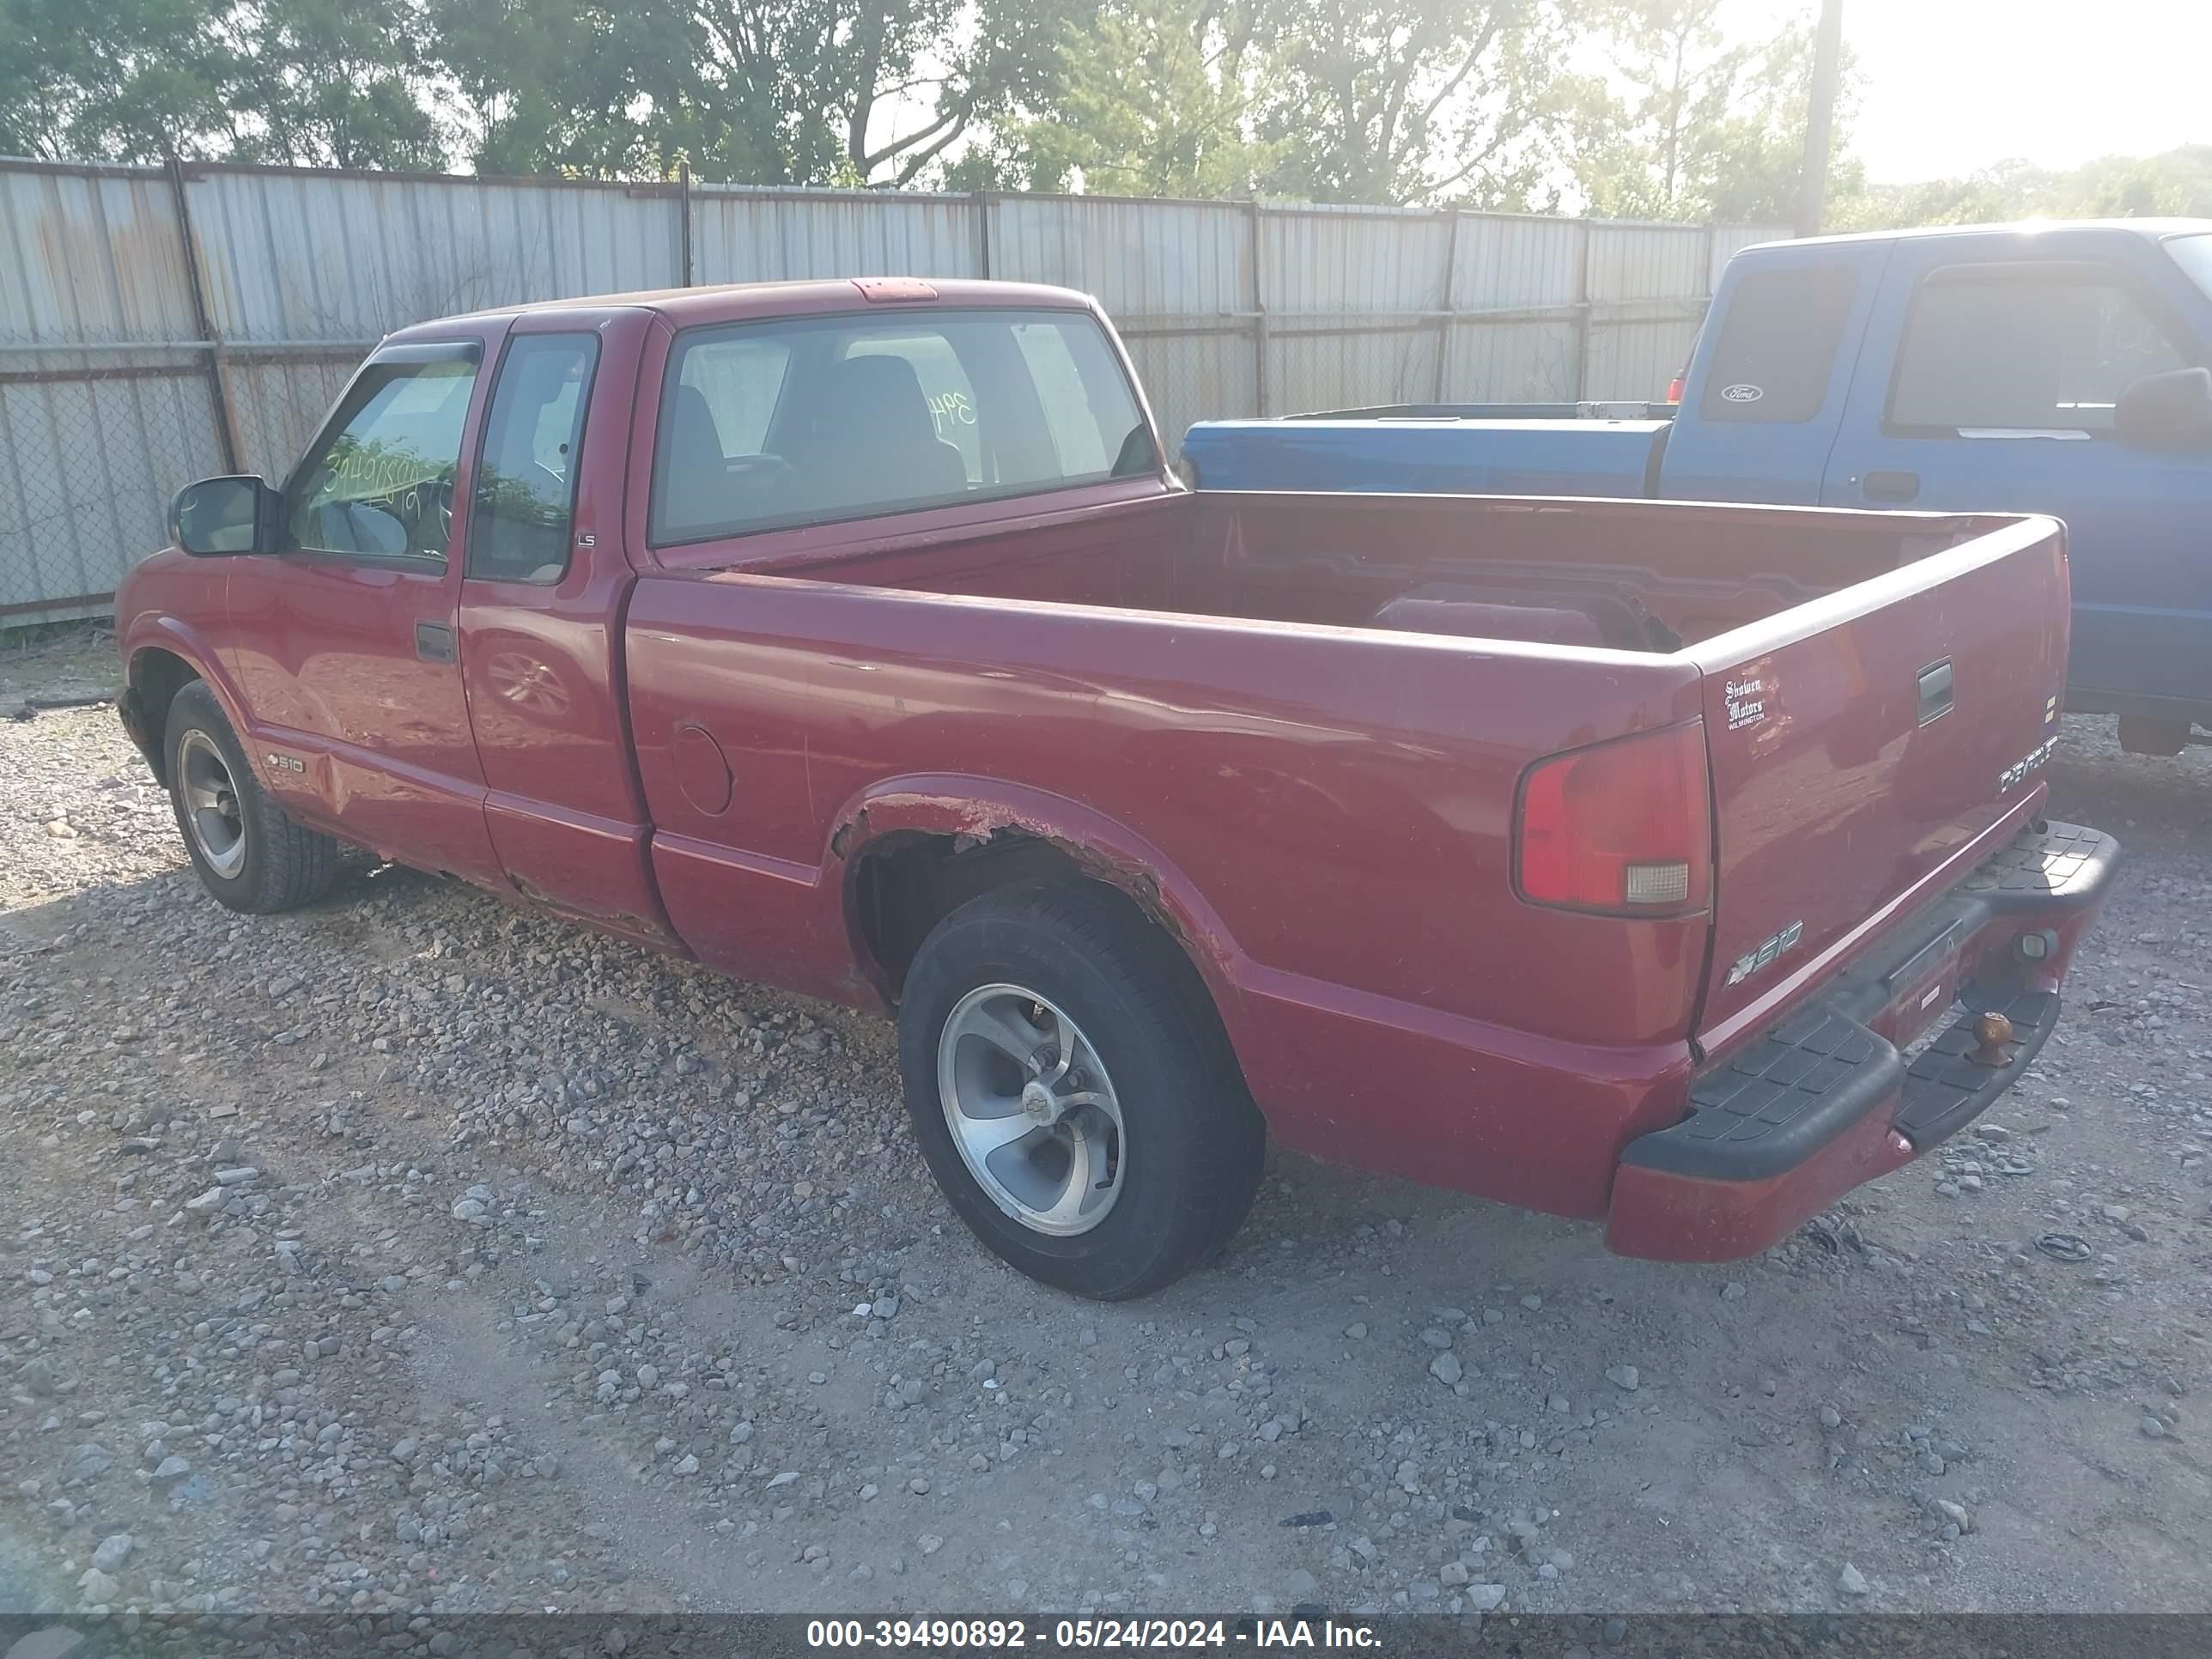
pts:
pixel 1848 1086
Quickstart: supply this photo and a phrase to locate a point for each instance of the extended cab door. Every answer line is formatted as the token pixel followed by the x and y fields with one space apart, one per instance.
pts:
pixel 1987 382
pixel 346 641
pixel 542 603
pixel 1766 389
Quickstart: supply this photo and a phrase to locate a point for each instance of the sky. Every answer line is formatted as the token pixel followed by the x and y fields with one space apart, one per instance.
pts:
pixel 1949 85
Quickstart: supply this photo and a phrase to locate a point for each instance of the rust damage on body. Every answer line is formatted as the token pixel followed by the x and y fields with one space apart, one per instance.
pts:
pixel 912 860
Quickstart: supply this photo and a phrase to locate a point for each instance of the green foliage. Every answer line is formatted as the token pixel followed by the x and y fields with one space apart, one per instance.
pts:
pixel 2177 184
pixel 1629 108
pixel 1149 98
pixel 1695 125
pixel 582 88
pixel 816 92
pixel 334 83
pixel 1417 101
pixel 133 80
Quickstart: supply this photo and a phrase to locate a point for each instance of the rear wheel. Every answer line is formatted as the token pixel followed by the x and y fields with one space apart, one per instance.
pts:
pixel 249 854
pixel 1072 1091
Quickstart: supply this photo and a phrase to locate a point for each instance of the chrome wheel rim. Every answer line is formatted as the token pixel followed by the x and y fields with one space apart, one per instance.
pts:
pixel 1031 1109
pixel 212 814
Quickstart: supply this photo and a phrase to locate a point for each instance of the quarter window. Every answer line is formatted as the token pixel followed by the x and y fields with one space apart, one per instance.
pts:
pixel 526 485
pixel 1776 353
pixel 381 481
pixel 2023 349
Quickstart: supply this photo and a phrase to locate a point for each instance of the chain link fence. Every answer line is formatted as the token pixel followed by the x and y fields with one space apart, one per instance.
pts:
pixel 160 324
pixel 92 454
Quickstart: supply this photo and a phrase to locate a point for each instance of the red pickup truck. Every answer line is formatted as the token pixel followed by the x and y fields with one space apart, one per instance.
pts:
pixel 1679 865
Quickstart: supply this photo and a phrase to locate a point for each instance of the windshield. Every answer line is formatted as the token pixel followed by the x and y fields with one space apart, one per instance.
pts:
pixel 2193 253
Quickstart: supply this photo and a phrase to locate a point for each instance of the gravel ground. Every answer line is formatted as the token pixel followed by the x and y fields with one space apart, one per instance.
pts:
pixel 414 1255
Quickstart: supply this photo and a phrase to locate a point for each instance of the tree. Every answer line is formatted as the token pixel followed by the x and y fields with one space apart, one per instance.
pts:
pixel 1153 98
pixel 1410 101
pixel 595 88
pixel 791 91
pixel 1698 126
pixel 124 80
pixel 332 83
pixel 2176 184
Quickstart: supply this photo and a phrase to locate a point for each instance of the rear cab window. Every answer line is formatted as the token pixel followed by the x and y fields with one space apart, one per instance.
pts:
pixel 784 422
pixel 1775 356
pixel 2001 350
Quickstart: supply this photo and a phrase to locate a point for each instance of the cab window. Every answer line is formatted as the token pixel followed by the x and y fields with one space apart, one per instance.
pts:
pixel 526 482
pixel 825 419
pixel 2023 347
pixel 944 385
pixel 1776 353
pixel 379 483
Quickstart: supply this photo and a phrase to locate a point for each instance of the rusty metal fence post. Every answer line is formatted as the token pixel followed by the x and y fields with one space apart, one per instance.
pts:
pixel 683 228
pixel 203 320
pixel 1445 334
pixel 1582 309
pixel 1258 243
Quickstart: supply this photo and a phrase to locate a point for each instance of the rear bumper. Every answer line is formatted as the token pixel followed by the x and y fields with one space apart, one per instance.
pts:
pixel 1841 1091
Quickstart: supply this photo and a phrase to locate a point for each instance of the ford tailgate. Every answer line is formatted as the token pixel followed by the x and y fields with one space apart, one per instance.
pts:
pixel 1868 749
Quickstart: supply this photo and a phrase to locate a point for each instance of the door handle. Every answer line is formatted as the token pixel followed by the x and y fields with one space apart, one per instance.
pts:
pixel 434 641
pixel 1935 691
pixel 1890 486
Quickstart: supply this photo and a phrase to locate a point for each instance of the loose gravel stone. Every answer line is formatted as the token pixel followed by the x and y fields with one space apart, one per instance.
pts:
pixel 113 1551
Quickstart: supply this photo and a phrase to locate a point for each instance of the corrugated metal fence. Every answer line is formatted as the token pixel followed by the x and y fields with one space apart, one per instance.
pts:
pixel 158 325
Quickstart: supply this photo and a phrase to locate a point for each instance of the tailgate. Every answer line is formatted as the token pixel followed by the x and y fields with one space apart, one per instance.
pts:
pixel 1866 747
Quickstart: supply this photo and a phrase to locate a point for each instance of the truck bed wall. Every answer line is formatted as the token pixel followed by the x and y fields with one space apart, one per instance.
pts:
pixel 1495 456
pixel 1337 559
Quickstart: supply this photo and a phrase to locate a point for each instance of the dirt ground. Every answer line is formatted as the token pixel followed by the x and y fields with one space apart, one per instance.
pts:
pixel 413 1254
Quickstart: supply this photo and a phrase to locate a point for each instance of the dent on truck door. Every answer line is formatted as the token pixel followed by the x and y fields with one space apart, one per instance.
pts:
pixel 347 652
pixel 1989 380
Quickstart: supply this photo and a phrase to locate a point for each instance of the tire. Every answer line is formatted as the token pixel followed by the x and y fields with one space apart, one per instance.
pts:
pixel 2145 734
pixel 249 854
pixel 1150 1097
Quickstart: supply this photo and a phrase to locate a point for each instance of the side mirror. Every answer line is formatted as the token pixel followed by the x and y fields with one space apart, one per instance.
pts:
pixel 2171 410
pixel 225 515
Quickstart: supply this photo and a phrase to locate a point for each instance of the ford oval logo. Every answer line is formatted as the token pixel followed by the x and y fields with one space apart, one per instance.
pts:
pixel 1741 393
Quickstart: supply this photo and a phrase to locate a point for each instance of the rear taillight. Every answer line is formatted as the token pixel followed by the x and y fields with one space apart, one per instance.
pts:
pixel 1624 828
pixel 1674 387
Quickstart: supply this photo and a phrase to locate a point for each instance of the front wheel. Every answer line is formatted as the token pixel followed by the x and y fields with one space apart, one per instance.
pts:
pixel 1072 1091
pixel 248 854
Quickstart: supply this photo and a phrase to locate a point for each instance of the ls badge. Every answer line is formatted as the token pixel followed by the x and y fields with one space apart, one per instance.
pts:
pixel 1753 960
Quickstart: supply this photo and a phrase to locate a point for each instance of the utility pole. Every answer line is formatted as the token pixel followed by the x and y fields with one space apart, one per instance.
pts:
pixel 1820 117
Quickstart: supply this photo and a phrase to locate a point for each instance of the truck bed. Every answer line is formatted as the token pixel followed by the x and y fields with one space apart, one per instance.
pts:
pixel 1557 572
pixel 1215 685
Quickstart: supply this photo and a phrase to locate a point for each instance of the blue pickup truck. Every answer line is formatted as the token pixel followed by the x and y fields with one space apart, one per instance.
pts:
pixel 2053 368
